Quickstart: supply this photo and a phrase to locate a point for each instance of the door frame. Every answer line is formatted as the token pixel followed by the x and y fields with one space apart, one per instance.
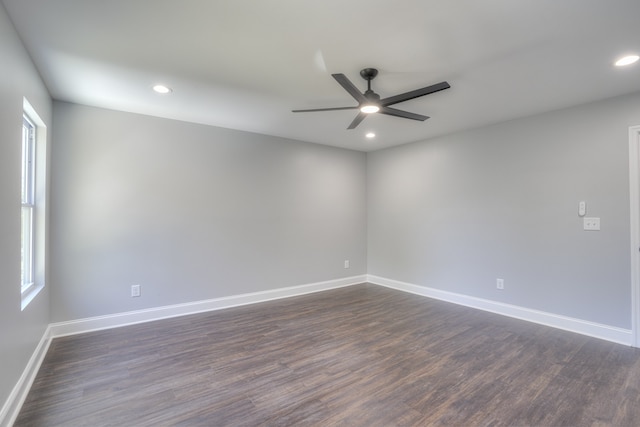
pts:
pixel 634 197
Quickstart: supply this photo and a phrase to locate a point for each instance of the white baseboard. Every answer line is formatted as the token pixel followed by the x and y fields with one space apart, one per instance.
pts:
pixel 165 312
pixel 596 330
pixel 12 406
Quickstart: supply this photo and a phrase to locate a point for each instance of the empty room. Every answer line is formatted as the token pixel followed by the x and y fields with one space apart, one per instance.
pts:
pixel 333 213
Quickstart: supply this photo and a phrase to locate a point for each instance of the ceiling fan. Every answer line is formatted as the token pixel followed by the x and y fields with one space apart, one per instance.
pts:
pixel 369 102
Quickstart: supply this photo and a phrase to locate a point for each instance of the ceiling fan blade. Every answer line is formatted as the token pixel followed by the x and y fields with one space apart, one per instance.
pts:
pixel 349 87
pixel 404 114
pixel 324 109
pixel 359 118
pixel 414 94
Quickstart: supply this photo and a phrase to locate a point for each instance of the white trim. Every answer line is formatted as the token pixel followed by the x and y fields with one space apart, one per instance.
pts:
pixel 634 206
pixel 596 330
pixel 165 312
pixel 16 398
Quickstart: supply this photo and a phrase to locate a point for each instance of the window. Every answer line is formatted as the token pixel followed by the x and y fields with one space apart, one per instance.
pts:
pixel 34 191
pixel 28 202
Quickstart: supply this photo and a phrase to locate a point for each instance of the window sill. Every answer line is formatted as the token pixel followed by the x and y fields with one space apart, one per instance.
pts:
pixel 30 294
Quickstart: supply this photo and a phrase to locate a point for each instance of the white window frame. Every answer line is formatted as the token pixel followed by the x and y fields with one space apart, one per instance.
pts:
pixel 27 264
pixel 34 198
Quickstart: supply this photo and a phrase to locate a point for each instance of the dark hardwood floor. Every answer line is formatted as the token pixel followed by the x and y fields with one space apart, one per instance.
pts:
pixel 357 356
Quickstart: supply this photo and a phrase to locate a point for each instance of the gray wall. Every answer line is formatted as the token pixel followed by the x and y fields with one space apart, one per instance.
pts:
pixel 457 212
pixel 20 331
pixel 193 212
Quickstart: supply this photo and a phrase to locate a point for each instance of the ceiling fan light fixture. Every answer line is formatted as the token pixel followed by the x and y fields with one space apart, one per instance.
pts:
pixel 369 108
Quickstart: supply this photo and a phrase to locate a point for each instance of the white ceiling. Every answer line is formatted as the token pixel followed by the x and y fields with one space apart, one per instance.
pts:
pixel 244 64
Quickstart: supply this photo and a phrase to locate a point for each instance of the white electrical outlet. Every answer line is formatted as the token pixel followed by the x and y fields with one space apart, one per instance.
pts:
pixel 135 290
pixel 591 224
pixel 500 283
pixel 346 263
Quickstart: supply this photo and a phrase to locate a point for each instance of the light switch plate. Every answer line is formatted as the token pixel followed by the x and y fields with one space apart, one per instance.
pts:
pixel 582 208
pixel 592 224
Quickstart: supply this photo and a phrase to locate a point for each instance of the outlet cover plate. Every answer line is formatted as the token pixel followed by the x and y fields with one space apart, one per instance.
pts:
pixel 591 224
pixel 135 290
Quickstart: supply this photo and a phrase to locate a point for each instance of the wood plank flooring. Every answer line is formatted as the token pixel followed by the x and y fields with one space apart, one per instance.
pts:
pixel 357 356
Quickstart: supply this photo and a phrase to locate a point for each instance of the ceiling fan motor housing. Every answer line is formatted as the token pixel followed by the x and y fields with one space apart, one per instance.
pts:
pixel 372 96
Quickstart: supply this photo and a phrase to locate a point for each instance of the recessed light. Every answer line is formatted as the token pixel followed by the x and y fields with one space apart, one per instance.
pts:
pixel 162 89
pixel 370 135
pixel 626 60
